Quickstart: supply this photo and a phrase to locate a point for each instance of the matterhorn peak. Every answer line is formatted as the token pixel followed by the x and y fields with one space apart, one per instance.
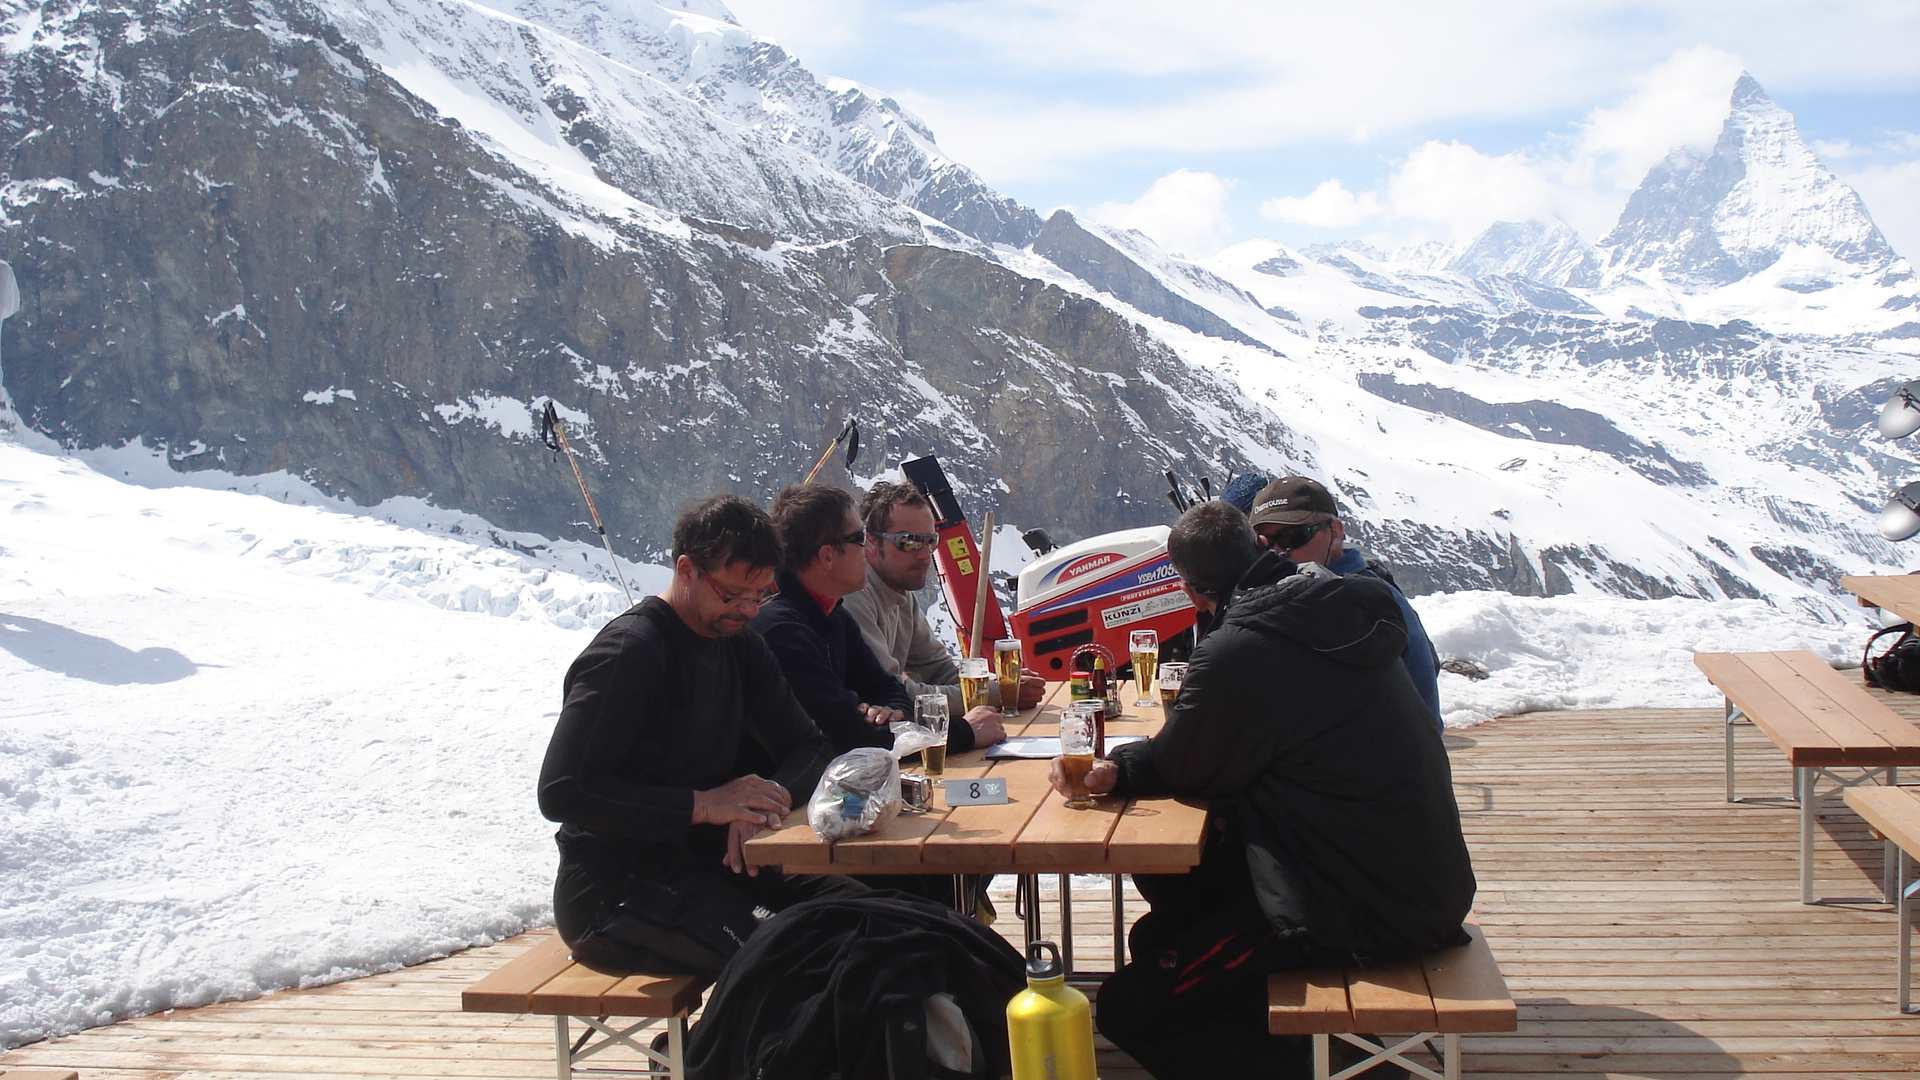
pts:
pixel 1699 221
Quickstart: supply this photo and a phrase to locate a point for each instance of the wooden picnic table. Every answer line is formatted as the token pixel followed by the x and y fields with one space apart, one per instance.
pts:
pixel 1033 832
pixel 1898 593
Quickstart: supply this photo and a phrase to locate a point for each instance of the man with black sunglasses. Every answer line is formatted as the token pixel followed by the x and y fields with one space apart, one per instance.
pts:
pixel 826 660
pixel 1298 518
pixel 900 549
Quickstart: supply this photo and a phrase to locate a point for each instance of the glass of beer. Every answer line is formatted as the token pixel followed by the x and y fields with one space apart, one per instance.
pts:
pixel 930 712
pixel 974 673
pixel 1145 646
pixel 1076 753
pixel 1006 665
pixel 1173 675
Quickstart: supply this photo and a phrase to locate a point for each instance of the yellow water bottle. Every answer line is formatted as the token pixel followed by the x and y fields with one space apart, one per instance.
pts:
pixel 1050 1024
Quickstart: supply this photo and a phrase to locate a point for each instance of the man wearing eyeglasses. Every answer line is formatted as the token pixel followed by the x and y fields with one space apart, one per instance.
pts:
pixel 900 547
pixel 826 660
pixel 648 769
pixel 1298 518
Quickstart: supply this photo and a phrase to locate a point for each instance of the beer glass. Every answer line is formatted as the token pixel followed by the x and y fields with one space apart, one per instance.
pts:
pixel 1145 646
pixel 930 712
pixel 1076 753
pixel 1006 664
pixel 974 673
pixel 1173 675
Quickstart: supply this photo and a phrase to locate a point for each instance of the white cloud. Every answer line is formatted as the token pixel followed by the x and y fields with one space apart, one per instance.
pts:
pixel 1892 195
pixel 1464 191
pixel 1329 206
pixel 1682 102
pixel 1184 212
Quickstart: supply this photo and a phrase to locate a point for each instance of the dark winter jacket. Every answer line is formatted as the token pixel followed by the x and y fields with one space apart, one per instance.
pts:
pixel 1422 662
pixel 833 671
pixel 1299 721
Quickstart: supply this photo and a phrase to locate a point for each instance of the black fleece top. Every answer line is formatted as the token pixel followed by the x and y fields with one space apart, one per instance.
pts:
pixel 1299 720
pixel 833 671
pixel 655 712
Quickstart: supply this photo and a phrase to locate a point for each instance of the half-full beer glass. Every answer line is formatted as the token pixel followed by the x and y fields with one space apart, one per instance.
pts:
pixel 974 673
pixel 1173 675
pixel 930 712
pixel 1006 665
pixel 1076 752
pixel 1145 646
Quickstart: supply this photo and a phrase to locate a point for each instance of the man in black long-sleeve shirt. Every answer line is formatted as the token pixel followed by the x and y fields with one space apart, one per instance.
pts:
pixel 644 771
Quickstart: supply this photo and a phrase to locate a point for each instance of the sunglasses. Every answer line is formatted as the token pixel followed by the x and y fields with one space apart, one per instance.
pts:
pixel 907 542
pixel 735 599
pixel 1294 537
pixel 857 536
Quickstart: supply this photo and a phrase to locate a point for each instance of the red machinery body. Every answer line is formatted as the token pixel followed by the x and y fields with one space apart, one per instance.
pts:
pixel 1098 590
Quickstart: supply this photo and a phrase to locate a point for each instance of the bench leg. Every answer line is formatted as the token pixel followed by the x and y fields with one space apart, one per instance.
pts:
pixel 568 1054
pixel 1380 1053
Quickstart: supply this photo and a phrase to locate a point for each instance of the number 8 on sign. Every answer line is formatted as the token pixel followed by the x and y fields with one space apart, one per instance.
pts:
pixel 988 791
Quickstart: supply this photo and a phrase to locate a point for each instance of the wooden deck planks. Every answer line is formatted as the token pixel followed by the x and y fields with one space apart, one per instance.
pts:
pixel 1646 928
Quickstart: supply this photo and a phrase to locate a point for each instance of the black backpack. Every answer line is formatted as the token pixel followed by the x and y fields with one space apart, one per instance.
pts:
pixel 1898 668
pixel 845 987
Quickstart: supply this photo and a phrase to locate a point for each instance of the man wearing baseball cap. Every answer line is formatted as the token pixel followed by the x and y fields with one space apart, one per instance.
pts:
pixel 1298 518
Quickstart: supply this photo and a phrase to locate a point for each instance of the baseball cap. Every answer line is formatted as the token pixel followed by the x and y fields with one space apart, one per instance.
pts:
pixel 1291 500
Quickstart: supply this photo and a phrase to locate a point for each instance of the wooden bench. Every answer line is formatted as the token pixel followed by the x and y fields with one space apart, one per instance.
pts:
pixel 1894 813
pixel 1452 992
pixel 545 981
pixel 1820 718
pixel 37 1074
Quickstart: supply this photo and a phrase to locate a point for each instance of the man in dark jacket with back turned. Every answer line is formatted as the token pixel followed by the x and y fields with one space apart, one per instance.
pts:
pixel 1337 839
pixel 651 769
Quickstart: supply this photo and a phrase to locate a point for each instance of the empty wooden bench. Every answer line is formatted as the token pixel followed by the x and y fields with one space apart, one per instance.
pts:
pixel 1894 813
pixel 1453 992
pixel 545 981
pixel 1820 718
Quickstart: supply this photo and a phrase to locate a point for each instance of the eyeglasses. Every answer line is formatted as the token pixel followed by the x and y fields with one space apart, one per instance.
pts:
pixel 907 542
pixel 857 536
pixel 1294 537
pixel 735 599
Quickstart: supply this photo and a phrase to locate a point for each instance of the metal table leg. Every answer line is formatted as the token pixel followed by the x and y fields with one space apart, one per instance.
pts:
pixel 1119 924
pixel 1904 910
pixel 1066 922
pixel 1804 781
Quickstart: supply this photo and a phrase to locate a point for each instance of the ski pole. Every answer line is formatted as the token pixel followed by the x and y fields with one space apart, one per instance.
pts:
pixel 850 433
pixel 555 437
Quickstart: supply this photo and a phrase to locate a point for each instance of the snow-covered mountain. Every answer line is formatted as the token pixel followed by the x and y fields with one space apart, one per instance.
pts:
pixel 363 240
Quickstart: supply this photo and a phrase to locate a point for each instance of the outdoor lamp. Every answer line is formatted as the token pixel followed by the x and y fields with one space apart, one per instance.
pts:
pixel 1900 416
pixel 1901 518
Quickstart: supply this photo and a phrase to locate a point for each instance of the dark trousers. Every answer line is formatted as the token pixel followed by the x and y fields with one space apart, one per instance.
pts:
pixel 672 918
pixel 1193 1000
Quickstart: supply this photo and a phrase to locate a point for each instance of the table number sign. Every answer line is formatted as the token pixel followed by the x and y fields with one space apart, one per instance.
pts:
pixel 986 791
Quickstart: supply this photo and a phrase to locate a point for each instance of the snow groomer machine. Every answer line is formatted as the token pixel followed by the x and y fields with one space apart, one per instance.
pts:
pixel 1093 592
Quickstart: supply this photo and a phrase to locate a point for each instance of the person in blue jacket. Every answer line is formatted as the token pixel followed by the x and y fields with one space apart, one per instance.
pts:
pixel 1298 518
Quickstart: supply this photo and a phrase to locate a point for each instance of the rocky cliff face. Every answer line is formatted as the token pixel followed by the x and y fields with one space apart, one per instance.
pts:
pixel 240 240
pixel 698 49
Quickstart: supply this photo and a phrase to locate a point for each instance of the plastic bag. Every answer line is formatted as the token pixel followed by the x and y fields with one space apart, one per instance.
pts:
pixel 859 792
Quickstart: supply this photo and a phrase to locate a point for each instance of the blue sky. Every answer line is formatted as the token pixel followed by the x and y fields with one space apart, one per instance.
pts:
pixel 1209 122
